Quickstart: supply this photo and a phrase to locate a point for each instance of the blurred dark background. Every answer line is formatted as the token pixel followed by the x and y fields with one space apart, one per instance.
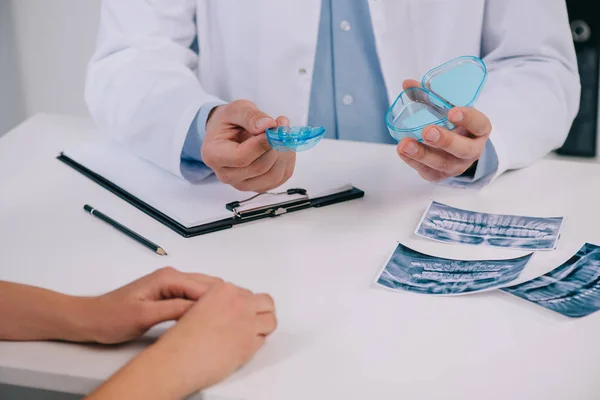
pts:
pixel 585 22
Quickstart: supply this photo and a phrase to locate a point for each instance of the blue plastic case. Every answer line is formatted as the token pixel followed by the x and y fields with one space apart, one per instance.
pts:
pixel 297 138
pixel 455 83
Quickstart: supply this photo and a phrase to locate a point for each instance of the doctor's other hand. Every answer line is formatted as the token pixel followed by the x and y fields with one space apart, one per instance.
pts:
pixel 235 147
pixel 443 153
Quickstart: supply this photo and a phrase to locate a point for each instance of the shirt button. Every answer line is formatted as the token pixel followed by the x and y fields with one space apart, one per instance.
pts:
pixel 347 99
pixel 302 71
pixel 345 26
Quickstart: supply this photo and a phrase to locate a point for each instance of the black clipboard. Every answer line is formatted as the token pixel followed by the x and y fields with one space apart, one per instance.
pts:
pixel 238 216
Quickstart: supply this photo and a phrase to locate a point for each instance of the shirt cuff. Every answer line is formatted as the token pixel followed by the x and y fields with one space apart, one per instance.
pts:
pixel 192 167
pixel 487 165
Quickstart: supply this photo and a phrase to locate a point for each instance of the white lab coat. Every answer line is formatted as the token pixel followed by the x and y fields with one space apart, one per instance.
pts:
pixel 145 85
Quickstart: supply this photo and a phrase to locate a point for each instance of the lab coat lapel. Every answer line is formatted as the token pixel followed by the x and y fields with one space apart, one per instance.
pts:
pixel 292 44
pixel 410 49
pixel 302 32
pixel 398 57
pixel 261 50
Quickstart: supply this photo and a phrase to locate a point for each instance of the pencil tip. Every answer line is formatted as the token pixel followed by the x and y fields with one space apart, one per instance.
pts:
pixel 161 252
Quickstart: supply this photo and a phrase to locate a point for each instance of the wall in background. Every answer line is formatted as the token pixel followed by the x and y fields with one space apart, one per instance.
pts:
pixel 12 106
pixel 52 43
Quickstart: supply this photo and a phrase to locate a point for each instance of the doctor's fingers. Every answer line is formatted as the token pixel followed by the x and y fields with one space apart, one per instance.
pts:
pixel 260 166
pixel 464 147
pixel 291 166
pixel 289 171
pixel 472 120
pixel 437 159
pixel 282 120
pixel 245 114
pixel 275 177
pixel 410 83
pixel 427 173
pixel 228 153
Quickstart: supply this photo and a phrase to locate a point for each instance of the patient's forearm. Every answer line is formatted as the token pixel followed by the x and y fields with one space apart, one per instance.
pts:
pixel 31 313
pixel 155 374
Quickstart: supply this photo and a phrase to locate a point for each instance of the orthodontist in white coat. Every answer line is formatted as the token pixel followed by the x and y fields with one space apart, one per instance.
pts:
pixel 191 85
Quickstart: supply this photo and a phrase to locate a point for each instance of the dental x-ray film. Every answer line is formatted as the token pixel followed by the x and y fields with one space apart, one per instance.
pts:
pixel 409 270
pixel 573 289
pixel 447 224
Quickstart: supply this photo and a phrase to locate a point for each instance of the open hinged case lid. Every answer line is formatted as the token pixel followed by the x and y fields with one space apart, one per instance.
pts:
pixel 456 83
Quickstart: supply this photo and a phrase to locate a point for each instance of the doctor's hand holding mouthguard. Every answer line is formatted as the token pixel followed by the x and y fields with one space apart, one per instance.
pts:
pixel 192 85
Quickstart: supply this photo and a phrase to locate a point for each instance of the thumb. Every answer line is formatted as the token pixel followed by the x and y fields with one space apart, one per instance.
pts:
pixel 244 113
pixel 167 310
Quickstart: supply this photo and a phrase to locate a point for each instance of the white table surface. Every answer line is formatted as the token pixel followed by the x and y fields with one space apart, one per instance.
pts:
pixel 339 336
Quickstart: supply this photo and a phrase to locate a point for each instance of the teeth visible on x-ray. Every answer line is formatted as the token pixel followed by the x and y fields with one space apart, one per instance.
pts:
pixel 501 221
pixel 417 272
pixel 575 278
pixel 458 266
pixel 572 289
pixel 583 300
pixel 445 277
pixel 451 225
pixel 507 226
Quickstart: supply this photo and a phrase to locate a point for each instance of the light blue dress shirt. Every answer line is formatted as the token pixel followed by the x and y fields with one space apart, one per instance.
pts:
pixel 192 167
pixel 348 94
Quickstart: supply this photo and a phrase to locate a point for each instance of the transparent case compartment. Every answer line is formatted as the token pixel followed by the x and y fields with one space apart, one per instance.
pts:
pixel 457 83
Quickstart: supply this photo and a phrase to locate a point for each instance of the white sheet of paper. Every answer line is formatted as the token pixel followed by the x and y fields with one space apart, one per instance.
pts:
pixel 188 203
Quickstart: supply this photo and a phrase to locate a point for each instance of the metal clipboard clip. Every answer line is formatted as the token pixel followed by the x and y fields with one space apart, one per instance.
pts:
pixel 271 210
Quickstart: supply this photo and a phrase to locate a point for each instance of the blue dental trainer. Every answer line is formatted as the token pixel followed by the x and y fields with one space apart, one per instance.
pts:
pixel 297 138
